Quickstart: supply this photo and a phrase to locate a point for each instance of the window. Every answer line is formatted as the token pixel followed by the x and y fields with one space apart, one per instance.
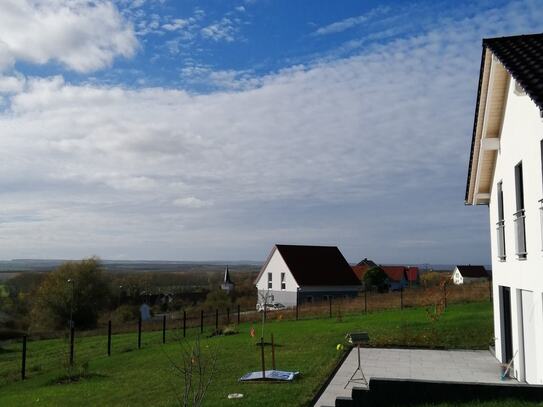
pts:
pixel 520 217
pixel 283 283
pixel 501 224
pixel 269 281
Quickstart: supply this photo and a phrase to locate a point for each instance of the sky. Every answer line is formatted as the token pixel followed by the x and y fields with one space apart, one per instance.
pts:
pixel 211 130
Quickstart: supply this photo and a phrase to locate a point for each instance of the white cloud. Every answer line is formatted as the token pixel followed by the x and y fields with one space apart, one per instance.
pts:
pixel 191 202
pixel 176 24
pixel 351 22
pixel 11 84
pixel 223 30
pixel 83 36
pixel 377 142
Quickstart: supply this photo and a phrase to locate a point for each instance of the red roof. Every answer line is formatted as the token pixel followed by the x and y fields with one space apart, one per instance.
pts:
pixel 412 273
pixel 360 270
pixel 394 273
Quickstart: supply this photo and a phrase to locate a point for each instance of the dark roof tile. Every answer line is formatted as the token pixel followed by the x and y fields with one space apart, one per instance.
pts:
pixel 472 271
pixel 318 265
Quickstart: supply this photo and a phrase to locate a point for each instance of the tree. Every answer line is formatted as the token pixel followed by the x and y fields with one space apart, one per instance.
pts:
pixel 376 277
pixel 74 288
pixel 196 368
pixel 217 299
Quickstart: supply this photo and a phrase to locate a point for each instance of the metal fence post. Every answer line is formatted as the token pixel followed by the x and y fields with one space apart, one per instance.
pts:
pixel 184 323
pixel 401 298
pixel 228 316
pixel 23 362
pixel 262 358
pixel 273 352
pixel 296 310
pixel 330 306
pixel 72 335
pixel 365 300
pixel 202 321
pixel 109 338
pixel 216 319
pixel 139 332
pixel 445 295
pixel 239 319
pixel 163 328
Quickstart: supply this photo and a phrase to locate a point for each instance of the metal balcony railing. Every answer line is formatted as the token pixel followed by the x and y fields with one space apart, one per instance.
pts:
pixel 520 229
pixel 501 240
pixel 541 220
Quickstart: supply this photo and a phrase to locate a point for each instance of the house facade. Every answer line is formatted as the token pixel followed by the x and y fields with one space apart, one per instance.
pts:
pixel 506 173
pixel 468 274
pixel 300 274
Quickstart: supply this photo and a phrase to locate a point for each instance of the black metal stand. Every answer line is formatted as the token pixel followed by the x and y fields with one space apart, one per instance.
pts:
pixel 360 380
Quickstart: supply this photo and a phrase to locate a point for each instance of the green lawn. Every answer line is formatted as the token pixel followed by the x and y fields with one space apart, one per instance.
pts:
pixel 132 377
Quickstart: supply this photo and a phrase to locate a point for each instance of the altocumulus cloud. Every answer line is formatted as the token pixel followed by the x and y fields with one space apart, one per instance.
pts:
pixel 157 172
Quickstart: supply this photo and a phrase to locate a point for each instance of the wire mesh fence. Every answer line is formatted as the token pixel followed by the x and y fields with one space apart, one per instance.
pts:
pixel 43 352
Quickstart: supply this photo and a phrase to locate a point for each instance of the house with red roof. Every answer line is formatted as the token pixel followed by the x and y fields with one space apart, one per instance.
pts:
pixel 398 276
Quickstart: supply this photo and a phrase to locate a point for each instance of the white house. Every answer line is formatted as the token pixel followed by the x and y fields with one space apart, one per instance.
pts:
pixel 295 274
pixel 469 274
pixel 505 173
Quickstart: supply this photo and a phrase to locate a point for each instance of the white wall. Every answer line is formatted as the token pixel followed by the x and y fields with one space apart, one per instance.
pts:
pixel 276 266
pixel 521 134
pixel 457 277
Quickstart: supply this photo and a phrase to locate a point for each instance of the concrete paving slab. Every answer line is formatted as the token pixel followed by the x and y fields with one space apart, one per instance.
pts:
pixel 445 365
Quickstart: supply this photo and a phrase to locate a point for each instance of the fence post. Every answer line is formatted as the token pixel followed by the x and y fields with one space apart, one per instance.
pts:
pixel 216 319
pixel 184 323
pixel 273 352
pixel 227 316
pixel 239 319
pixel 262 357
pixel 72 335
pixel 365 300
pixel 23 363
pixel 163 328
pixel 139 332
pixel 445 295
pixel 401 298
pixel 109 338
pixel 296 310
pixel 330 306
pixel 202 321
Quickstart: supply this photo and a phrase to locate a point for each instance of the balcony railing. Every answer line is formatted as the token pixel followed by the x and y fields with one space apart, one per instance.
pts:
pixel 501 240
pixel 541 220
pixel 520 229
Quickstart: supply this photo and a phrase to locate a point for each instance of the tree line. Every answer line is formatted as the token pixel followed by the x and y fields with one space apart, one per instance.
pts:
pixel 86 293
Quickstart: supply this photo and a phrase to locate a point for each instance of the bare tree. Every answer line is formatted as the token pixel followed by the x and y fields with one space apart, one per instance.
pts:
pixel 195 368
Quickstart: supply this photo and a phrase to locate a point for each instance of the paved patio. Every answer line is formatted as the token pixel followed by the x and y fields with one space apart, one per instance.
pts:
pixel 446 365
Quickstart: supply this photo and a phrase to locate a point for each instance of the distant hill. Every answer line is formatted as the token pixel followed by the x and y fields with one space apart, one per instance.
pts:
pixel 42 265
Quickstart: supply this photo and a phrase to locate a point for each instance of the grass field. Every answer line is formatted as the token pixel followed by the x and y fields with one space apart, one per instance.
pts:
pixel 132 377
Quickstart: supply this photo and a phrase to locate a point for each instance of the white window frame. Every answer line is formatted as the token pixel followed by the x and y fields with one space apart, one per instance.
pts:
pixel 283 282
pixel 270 281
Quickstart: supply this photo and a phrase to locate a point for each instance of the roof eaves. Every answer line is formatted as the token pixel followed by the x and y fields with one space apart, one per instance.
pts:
pixel 475 120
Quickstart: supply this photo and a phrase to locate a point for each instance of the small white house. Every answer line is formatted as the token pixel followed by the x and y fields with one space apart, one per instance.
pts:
pixel 469 274
pixel 506 173
pixel 295 274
